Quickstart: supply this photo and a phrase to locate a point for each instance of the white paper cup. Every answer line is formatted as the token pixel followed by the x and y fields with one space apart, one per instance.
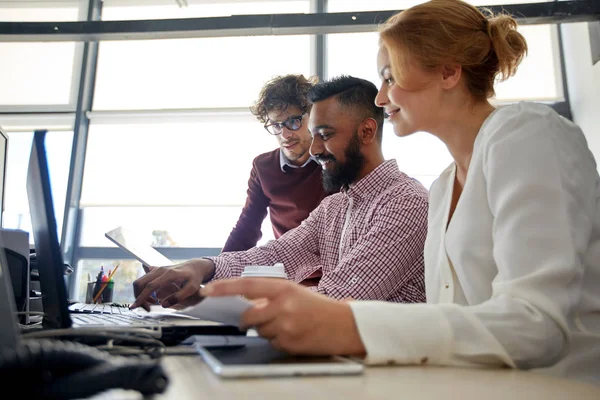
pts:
pixel 265 271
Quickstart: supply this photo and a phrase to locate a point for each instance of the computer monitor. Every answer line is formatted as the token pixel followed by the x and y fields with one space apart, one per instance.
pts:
pixel 45 236
pixel 3 156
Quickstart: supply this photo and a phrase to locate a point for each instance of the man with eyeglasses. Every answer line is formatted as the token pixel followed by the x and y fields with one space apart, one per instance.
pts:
pixel 367 238
pixel 286 182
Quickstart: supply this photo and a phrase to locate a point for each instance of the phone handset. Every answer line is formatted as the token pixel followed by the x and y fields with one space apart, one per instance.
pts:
pixel 68 370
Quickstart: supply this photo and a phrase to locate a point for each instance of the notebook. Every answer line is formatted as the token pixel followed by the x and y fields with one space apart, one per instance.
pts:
pixel 55 302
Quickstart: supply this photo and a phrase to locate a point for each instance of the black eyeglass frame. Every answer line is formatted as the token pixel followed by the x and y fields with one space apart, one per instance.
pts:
pixel 287 123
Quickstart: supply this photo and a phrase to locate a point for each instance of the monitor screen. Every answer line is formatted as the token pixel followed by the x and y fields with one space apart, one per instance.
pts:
pixel 47 249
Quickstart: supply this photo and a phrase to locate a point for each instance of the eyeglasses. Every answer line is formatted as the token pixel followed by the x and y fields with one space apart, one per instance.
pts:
pixel 292 123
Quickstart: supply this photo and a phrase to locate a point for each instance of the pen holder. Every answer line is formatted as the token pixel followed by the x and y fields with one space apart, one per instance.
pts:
pixel 107 293
pixel 105 297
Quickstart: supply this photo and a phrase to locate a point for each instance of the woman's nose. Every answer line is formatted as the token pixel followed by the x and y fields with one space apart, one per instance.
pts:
pixel 382 99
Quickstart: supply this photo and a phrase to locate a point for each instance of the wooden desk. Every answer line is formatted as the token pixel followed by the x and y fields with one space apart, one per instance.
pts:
pixel 190 378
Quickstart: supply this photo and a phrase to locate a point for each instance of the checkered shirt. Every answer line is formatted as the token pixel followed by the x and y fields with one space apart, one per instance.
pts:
pixel 368 241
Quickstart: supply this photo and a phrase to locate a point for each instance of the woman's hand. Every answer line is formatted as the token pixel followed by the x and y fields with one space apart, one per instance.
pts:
pixel 292 317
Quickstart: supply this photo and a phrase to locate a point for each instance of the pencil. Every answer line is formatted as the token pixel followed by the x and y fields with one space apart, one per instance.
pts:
pixel 105 284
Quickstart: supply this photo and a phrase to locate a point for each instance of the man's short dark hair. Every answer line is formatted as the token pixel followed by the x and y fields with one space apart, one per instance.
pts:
pixel 282 92
pixel 351 92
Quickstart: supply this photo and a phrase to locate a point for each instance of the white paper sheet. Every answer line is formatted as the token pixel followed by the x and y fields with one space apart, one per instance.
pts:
pixel 159 312
pixel 226 310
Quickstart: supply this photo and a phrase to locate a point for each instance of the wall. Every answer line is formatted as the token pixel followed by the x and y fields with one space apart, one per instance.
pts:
pixel 583 80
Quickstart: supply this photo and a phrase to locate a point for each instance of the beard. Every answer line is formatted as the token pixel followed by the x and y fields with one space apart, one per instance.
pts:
pixel 343 174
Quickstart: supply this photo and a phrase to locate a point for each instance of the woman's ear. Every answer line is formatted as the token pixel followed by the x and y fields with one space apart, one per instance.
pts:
pixel 451 74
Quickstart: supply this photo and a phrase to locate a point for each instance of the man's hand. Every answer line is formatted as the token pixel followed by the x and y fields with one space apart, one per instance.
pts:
pixel 174 286
pixel 292 317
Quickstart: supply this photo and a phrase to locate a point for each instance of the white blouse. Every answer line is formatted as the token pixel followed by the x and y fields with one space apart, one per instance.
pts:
pixel 514 278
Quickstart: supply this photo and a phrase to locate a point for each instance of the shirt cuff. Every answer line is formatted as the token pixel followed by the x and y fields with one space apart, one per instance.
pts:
pixel 403 333
pixel 221 270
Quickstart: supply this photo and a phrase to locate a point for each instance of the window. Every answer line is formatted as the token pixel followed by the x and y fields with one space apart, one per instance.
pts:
pixel 166 226
pixel 421 156
pixel 237 66
pixel 43 10
pixel 40 76
pixel 190 180
pixel 58 147
pixel 374 5
pixel 194 73
pixel 538 76
pixel 165 9
pixel 172 163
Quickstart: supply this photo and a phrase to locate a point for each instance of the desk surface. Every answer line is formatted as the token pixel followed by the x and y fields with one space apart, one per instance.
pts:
pixel 190 378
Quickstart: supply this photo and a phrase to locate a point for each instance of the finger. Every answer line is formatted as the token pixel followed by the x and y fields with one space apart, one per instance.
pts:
pixel 148 304
pixel 277 344
pixel 140 283
pixel 260 313
pixel 150 287
pixel 166 291
pixel 148 268
pixel 164 281
pixel 143 296
pixel 187 290
pixel 268 330
pixel 251 288
pixel 260 302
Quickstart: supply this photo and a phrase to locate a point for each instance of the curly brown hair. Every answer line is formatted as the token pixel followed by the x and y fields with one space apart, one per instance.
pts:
pixel 281 92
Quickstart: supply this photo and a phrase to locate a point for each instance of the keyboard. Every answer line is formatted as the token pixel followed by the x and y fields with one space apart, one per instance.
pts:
pixel 109 314
pixel 103 308
pixel 92 319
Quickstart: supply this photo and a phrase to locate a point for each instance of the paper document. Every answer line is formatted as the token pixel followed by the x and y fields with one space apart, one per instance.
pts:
pixel 158 312
pixel 227 310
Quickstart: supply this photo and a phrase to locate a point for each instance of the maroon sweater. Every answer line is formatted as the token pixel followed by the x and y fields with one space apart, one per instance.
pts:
pixel 289 196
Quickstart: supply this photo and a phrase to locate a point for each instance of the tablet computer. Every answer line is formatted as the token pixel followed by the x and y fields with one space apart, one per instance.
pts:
pixel 136 247
pixel 257 358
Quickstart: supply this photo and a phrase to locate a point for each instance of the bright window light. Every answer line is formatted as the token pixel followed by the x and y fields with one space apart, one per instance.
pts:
pixel 39 74
pixel 166 226
pixel 194 73
pixel 58 148
pixel 180 164
pixel 374 5
pixel 168 9
pixel 537 78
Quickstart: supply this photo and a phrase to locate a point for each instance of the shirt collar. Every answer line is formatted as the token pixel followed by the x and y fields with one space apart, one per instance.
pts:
pixel 283 161
pixel 374 182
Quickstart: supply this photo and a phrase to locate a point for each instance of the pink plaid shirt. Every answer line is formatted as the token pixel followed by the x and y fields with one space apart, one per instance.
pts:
pixel 368 241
